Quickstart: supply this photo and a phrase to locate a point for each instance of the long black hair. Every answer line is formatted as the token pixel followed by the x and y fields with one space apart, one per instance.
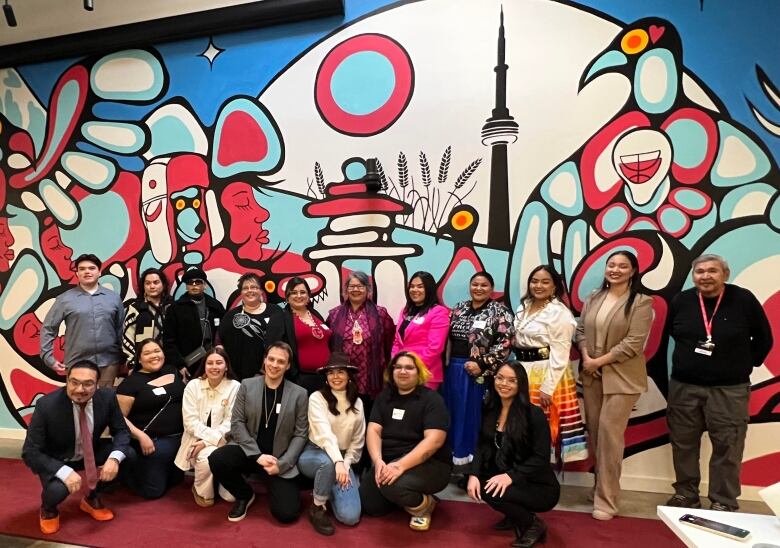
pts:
pixel 557 279
pixel 431 298
pixel 218 350
pixel 352 394
pixel 633 283
pixel 516 428
pixel 166 286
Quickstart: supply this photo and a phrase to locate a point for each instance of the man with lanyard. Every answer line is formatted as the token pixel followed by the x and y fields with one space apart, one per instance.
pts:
pixel 93 317
pixel 191 324
pixel 720 334
pixel 65 436
pixel 268 431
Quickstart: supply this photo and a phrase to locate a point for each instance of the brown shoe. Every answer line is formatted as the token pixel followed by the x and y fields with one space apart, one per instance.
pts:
pixel 96 509
pixel 201 501
pixel 320 521
pixel 49 526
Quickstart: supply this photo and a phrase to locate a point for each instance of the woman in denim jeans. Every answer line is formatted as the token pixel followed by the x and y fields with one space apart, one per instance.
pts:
pixel 337 432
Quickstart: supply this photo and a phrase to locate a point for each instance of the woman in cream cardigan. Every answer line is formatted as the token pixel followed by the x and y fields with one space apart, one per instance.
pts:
pixel 206 409
pixel 611 335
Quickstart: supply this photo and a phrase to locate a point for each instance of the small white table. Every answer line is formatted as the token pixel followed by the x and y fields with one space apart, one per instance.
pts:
pixel 762 528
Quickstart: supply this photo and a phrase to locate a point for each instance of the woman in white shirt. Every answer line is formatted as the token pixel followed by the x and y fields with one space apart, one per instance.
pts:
pixel 544 327
pixel 206 410
pixel 337 432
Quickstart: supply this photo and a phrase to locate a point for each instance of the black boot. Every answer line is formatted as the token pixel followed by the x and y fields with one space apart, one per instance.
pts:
pixel 536 532
pixel 503 525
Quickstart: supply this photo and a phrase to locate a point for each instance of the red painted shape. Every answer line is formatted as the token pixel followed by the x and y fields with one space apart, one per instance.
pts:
pixel 352 206
pixel 185 171
pixel 761 471
pixel 339 189
pixel 597 196
pixel 693 175
pixel 660 309
pixel 759 397
pixel 642 432
pixel 27 387
pixel 242 140
pixel 655 33
pixel 21 142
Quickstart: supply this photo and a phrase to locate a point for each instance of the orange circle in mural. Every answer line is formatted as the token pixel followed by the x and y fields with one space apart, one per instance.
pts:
pixel 179 204
pixel 270 286
pixel 634 41
pixel 462 220
pixel 196 203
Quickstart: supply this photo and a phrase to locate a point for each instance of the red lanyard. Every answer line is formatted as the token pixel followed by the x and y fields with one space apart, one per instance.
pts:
pixel 708 323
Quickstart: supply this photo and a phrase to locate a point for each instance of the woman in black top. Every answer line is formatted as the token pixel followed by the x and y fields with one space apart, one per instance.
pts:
pixel 150 400
pixel 249 328
pixel 511 468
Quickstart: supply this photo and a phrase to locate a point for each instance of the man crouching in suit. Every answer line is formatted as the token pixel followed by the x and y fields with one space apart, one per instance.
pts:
pixel 268 430
pixel 55 446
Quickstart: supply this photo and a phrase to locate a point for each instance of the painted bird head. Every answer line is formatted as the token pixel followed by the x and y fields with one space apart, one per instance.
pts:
pixel 461 225
pixel 648 53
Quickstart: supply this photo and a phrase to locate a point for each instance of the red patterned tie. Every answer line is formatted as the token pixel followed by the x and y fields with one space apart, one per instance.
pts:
pixel 87 450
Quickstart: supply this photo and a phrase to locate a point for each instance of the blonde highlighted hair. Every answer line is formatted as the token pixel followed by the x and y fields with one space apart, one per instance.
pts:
pixel 423 373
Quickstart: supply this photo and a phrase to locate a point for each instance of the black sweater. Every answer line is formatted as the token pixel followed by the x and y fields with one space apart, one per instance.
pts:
pixel 740 331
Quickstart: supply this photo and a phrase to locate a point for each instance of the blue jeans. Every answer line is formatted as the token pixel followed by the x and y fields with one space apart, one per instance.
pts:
pixel 316 464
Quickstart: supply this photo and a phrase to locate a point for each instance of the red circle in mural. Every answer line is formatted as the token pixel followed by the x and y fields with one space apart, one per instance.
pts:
pixel 381 116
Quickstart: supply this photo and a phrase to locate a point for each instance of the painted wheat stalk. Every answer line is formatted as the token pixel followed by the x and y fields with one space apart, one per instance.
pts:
pixel 319 178
pixel 425 170
pixel 464 176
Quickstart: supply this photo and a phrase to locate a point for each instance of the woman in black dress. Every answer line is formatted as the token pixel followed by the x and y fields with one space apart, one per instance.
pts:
pixel 249 328
pixel 511 468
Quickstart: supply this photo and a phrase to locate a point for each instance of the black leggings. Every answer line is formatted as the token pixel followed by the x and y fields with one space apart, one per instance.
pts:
pixel 521 501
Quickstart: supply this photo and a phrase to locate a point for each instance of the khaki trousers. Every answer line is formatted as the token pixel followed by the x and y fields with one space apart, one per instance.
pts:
pixel 108 376
pixel 606 418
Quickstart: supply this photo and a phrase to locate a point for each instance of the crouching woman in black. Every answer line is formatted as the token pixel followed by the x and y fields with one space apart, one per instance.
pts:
pixel 511 468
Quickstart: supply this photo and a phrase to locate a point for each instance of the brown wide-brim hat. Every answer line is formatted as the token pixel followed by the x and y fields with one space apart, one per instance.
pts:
pixel 337 360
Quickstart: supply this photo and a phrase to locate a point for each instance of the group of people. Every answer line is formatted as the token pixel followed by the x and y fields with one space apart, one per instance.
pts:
pixel 279 392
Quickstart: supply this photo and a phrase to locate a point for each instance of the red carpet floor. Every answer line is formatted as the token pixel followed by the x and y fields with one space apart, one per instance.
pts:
pixel 175 521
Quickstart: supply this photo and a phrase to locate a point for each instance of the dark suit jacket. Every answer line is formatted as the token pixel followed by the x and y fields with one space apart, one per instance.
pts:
pixel 292 425
pixel 51 437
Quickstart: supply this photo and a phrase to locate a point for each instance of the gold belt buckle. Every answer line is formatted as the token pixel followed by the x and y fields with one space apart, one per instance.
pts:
pixel 544 352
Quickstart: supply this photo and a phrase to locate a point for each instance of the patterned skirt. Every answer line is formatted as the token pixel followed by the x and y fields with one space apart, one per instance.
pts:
pixel 567 431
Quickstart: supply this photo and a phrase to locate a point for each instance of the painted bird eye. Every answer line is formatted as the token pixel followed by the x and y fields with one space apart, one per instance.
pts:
pixel 196 203
pixel 179 204
pixel 462 220
pixel 635 41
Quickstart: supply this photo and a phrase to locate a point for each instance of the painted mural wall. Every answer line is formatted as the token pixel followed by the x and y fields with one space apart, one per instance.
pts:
pixel 507 135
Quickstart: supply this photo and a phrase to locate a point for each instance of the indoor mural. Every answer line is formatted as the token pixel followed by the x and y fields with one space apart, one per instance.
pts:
pixel 507 134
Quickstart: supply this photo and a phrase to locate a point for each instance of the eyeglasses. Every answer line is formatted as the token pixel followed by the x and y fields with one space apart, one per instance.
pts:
pixel 195 282
pixel 399 367
pixel 86 385
pixel 508 380
pixel 356 287
pixel 251 288
pixel 299 293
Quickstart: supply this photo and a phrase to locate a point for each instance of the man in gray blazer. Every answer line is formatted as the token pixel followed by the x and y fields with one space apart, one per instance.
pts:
pixel 268 431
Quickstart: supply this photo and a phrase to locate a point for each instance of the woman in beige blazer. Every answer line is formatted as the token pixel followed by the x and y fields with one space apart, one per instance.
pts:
pixel 611 335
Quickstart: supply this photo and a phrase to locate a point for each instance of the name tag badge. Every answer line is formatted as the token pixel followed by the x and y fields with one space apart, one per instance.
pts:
pixel 159 391
pixel 398 414
pixel 479 324
pixel 702 351
pixel 704 348
pixel 419 320
pixel 216 322
pixel 278 408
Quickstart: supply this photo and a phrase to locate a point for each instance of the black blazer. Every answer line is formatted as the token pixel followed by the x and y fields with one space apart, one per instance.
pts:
pixel 289 338
pixel 530 464
pixel 51 436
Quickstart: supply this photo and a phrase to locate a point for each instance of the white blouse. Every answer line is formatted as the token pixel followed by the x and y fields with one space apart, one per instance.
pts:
pixel 554 326
pixel 336 433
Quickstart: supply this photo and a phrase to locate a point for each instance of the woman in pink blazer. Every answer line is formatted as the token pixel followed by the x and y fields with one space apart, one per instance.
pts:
pixel 423 326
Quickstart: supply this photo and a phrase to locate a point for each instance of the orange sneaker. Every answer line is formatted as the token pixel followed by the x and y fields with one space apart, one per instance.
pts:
pixel 99 514
pixel 49 526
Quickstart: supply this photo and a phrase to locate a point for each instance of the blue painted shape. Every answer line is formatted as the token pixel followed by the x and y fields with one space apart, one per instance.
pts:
pixel 89 183
pixel 46 189
pixel 435 257
pixel 139 138
pixel 614 219
pixel 655 201
pixel 262 117
pixel 27 272
pixel 355 171
pixel 612 58
pixel 148 261
pixel 761 162
pixel 363 82
pixel 189 192
pixel 548 192
pixel 98 212
pixel 457 288
pixel 690 199
pixel 148 93
pixel 774 213
pixel 699 228
pixel 534 217
pixel 193 258
pixel 642 225
pixel 672 219
pixel 125 163
pixel 24 220
pixel 495 262
pixel 111 282
pixel 665 102
pixel 732 199
pixel 304 234
pixel 689 142
pixel 363 265
pixel 170 135
pixel 575 248
pixel 187 223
